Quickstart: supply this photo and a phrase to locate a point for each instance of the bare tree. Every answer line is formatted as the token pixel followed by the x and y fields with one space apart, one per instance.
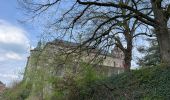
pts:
pixel 157 16
pixel 101 21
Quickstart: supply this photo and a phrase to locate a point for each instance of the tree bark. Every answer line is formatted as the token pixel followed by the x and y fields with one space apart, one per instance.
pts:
pixel 127 59
pixel 162 33
pixel 163 38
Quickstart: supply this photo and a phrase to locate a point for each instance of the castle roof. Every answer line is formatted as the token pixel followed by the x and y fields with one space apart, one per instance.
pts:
pixel 74 45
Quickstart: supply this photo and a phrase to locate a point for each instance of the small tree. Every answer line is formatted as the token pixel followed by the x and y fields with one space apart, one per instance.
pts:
pixel 152 54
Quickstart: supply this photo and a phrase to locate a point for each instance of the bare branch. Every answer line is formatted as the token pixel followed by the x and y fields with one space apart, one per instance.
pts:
pixel 138 34
pixel 110 4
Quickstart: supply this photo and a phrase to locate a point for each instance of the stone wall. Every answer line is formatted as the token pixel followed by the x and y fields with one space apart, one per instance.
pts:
pixel 49 57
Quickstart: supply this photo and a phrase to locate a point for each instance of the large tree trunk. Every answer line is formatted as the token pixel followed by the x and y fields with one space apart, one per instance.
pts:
pixel 128 56
pixel 161 30
pixel 127 60
pixel 164 43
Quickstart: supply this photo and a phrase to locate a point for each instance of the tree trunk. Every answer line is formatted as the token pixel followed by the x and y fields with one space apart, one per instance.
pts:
pixel 127 60
pixel 161 30
pixel 164 44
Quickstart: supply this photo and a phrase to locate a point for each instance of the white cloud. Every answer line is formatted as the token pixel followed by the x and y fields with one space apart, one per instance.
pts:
pixel 13 55
pixel 10 56
pixel 13 42
pixel 13 51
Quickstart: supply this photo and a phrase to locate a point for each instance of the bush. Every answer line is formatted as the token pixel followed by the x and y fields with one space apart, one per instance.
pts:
pixel 148 83
pixel 75 86
pixel 18 91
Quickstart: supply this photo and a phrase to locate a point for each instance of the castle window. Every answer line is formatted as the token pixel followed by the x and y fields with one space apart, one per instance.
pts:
pixel 114 64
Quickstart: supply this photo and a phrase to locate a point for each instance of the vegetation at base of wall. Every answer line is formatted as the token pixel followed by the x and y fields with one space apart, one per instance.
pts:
pixel 146 84
pixel 18 91
pixel 73 86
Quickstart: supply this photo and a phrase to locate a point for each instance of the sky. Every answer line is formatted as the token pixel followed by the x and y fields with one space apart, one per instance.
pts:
pixel 16 39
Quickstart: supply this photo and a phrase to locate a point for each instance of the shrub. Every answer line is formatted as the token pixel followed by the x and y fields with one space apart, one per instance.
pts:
pixel 18 91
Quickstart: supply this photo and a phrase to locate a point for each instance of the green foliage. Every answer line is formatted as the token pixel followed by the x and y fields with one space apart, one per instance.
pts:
pixel 19 91
pixel 75 86
pixel 144 84
pixel 152 54
pixel 148 84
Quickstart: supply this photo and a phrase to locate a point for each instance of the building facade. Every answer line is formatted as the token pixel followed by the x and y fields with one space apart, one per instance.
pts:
pixel 51 60
pixel 50 54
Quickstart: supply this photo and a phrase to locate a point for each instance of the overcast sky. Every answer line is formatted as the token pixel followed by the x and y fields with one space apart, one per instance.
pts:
pixel 15 41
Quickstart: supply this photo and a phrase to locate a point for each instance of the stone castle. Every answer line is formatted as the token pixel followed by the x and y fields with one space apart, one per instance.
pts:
pixel 47 55
pixel 50 62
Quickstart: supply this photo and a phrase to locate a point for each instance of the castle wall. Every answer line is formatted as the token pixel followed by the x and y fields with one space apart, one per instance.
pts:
pixel 49 58
pixel 50 63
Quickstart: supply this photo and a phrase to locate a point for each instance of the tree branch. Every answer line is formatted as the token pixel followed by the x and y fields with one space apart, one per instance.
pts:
pixel 142 34
pixel 109 4
pixel 119 44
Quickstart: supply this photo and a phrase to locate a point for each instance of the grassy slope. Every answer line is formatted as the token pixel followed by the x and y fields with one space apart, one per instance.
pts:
pixel 145 84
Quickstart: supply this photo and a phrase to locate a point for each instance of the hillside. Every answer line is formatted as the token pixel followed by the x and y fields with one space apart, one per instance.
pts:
pixel 147 84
